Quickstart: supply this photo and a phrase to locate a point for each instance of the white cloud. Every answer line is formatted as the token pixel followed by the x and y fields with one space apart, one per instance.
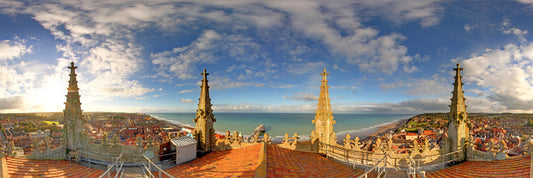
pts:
pixel 183 100
pixel 469 28
pixel 306 68
pixel 185 91
pixel 507 29
pixel 526 1
pixel 217 82
pixel 12 49
pixel 302 96
pixel 428 12
pixel 505 72
pixel 437 85
pixel 180 60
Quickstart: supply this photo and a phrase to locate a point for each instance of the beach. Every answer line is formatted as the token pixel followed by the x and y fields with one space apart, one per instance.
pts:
pixel 363 126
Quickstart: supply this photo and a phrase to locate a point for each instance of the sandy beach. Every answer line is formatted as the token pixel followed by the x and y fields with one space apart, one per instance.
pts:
pixel 363 134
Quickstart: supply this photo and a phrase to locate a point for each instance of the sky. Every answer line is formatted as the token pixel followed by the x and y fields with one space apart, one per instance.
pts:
pixel 382 56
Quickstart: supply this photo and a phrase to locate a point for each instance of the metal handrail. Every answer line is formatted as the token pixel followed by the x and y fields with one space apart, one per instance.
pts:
pixel 157 167
pixel 376 166
pixel 111 167
pixel 146 169
pixel 415 168
pixel 120 171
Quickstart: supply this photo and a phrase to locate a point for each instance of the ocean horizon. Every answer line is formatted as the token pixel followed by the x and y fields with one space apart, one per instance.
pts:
pixel 278 124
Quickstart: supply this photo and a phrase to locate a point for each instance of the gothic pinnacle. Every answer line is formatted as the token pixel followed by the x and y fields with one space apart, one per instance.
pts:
pixel 458 100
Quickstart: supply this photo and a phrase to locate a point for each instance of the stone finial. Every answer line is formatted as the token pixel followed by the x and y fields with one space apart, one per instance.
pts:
pixel 347 138
pixel 295 141
pixel 389 144
pixel 356 144
pixel 204 118
pixel 266 138
pixel 458 129
pixel 139 142
pixel 285 138
pixel 324 115
pixel 377 145
pixel 73 127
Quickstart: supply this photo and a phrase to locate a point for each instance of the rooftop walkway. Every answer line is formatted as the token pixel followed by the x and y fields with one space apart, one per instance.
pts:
pixel 274 162
pixel 22 167
pixel 284 162
pixel 516 167
pixel 227 163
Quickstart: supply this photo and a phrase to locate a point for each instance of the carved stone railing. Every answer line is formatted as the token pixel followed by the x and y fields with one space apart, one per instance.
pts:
pixel 495 150
pixel 235 141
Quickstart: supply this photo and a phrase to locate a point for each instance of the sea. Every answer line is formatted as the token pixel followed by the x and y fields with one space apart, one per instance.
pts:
pixel 279 124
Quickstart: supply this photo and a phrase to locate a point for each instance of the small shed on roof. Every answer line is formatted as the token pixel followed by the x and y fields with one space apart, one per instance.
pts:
pixel 185 149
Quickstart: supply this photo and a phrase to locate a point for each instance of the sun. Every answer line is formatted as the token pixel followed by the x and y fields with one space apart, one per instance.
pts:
pixel 50 97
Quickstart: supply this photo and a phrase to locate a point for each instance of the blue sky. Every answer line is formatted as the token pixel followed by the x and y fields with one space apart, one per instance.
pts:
pixel 383 56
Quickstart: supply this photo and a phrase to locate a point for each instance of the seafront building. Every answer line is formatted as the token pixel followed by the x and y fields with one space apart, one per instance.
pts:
pixel 232 155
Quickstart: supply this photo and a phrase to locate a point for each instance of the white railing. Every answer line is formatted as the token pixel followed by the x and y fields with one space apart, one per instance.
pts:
pixel 381 168
pixel 414 169
pixel 119 169
pixel 371 159
pixel 149 168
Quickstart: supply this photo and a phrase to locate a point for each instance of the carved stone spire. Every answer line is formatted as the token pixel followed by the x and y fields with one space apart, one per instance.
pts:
pixel 458 100
pixel 457 127
pixel 72 113
pixel 204 133
pixel 324 116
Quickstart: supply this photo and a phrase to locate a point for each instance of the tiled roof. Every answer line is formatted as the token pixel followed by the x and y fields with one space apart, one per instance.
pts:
pixel 283 162
pixel 227 163
pixel 280 162
pixel 22 167
pixel 516 167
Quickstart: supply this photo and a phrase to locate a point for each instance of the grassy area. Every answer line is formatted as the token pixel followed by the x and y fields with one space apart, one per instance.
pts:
pixel 51 122
pixel 411 130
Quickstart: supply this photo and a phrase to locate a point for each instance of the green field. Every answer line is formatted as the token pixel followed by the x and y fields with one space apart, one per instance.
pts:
pixel 51 122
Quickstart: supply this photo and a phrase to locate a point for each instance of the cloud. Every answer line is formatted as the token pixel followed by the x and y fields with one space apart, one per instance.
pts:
pixel 506 73
pixel 306 68
pixel 180 60
pixel 183 100
pixel 185 91
pixel 469 28
pixel 427 12
pixel 437 85
pixel 302 96
pixel 507 29
pixel 12 49
pixel 530 2
pixel 220 82
pixel 15 102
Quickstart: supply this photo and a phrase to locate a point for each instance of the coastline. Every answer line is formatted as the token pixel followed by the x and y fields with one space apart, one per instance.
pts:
pixel 372 132
pixel 364 134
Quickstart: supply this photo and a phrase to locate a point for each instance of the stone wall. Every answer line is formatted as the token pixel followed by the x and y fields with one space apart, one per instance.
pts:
pixel 107 152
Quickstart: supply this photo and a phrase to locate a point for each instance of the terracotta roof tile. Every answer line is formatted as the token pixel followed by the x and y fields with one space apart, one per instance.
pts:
pixel 516 167
pixel 22 167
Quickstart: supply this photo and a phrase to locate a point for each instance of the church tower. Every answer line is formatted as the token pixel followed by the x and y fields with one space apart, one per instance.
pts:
pixel 458 130
pixel 324 116
pixel 72 114
pixel 204 133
